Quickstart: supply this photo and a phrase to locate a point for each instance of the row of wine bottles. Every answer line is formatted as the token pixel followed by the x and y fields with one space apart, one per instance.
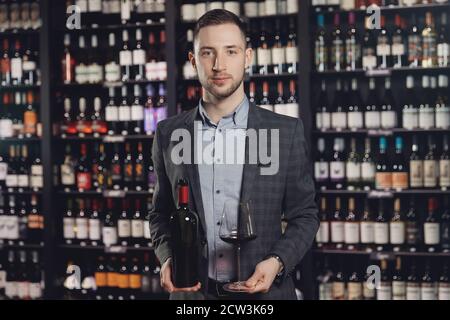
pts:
pixel 349 5
pixel 357 171
pixel 17 15
pixel 20 171
pixel 380 47
pixel 21 220
pixel 121 115
pixel 193 10
pixel 117 277
pixel 19 65
pixel 114 168
pixel 137 60
pixel 21 275
pixel 406 280
pixel 93 223
pixel 395 229
pixel 427 110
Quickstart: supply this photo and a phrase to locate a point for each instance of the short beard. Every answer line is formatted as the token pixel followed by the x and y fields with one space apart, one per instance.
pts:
pixel 220 96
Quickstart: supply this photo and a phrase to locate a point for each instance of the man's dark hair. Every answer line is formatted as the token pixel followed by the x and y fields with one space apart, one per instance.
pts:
pixel 216 17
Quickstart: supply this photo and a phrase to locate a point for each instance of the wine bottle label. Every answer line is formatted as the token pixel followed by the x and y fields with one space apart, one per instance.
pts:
pixel 388 119
pixel 95 5
pixel 412 233
pixel 397 231
pixel 416 173
pixel 125 9
pixel 291 55
pixel 3 171
pixel 338 290
pixel 353 171
pixel 368 294
pixel 426 118
pixel 443 291
pixel 124 113
pixel 128 172
pixel 369 62
pixel 383 180
pixel 368 171
pixel 137 113
pixel 410 118
pixel 443 117
pixel 23 180
pixel 400 180
pixel 355 120
pixel 6 128
pixel 84 180
pixel 383 49
pixel 95 73
pixel 151 71
pixel 381 233
pixel 384 292
pixel 29 66
pixel 338 120
pixel 251 8
pixel 351 232
pixel 112 113
pixel 264 56
pixel 287 109
pixel 109 235
pixel 135 281
pixel 443 54
pixel 139 57
pixel 271 7
pixel 123 281
pixel 372 119
pixel 67 175
pixel 81 74
pixel 337 231
pixel 137 228
pixel 325 291
pixel 398 49
pixel 326 120
pixel 431 173
pixel 12 228
pixel 112 279
pixel 444 173
pixel 233 6
pixel 188 12
pixel 323 234
pixel 147 234
pixel 428 291
pixel 367 232
pixel 337 53
pixel 278 56
pixel 82 228
pixel 161 72
pixel 2 279
pixel 124 228
pixel 23 291
pixel 321 172
pixel 100 279
pixel 82 5
pixel 139 172
pixel 35 291
pixel 337 170
pixel 112 72
pixel 94 229
pixel 354 291
pixel 37 170
pixel 11 289
pixel 37 182
pixel 431 233
pixel 16 68
pixel 200 9
pixel 12 180
pixel 319 120
pixel 292 6
pixel 398 290
pixel 69 228
pixel 33 221
pixel 126 58
pixel 412 291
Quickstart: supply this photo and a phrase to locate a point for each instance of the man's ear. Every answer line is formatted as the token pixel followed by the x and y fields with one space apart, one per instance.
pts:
pixel 248 57
pixel 192 59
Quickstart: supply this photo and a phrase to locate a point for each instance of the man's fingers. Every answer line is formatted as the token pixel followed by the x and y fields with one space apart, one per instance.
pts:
pixel 188 289
pixel 253 280
pixel 166 282
pixel 261 286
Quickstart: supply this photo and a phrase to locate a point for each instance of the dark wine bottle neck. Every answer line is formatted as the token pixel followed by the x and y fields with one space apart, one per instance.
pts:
pixel 183 196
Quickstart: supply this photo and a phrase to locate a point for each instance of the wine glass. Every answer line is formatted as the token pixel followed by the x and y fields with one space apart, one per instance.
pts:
pixel 236 228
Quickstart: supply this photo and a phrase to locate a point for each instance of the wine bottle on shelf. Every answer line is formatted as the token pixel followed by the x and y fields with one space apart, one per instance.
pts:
pixel 94 224
pixel 383 46
pixel 368 168
pixel 398 281
pixel 372 114
pixel 94 69
pixel 321 166
pixel 384 291
pixel 325 281
pixel 383 176
pixel 431 165
pixel 126 58
pixel 323 115
pixel 320 46
pixel 17 64
pixel 184 229
pixel 429 42
pixel 412 283
pixel 443 290
pixel 338 284
pixel 81 223
pixel 428 285
pixel 128 170
pixel 115 176
pixel 292 48
pixel 263 51
pixel 445 225
pixel 124 225
pixel 442 108
pixel 69 223
pixel 443 43
pixel 99 127
pixel 112 66
pixel 410 112
pixel 137 111
pixel 354 114
pixel 367 227
pixel 431 227
pixel 354 283
pixel 161 104
pixel 337 226
pixel 83 174
pixel 381 238
pixel 426 111
pixel 109 229
pixel 81 71
pixel 339 115
pixel 337 46
pixel 388 107
pixel 265 103
pixel 337 165
pixel 124 113
pixel 112 114
pixel 6 64
pixel 139 57
pixel 278 51
pixel 353 167
pixel 414 43
pixel 139 169
pixel 150 116
pixel 369 47
pixel 399 167
pixel 352 45
pixel 351 227
pixel 323 234
pixel 397 227
pixel 137 225
pixel 399 49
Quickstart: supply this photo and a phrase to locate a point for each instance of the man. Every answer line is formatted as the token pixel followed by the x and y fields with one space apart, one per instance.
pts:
pixel 220 58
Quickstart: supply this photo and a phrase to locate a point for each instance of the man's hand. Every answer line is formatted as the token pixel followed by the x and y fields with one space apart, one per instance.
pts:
pixel 262 278
pixel 166 279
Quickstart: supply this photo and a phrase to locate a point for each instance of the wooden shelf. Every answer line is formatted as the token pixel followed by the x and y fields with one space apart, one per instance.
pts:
pixel 379 72
pixel 375 254
pixel 112 249
pixel 379 132
pixel 384 194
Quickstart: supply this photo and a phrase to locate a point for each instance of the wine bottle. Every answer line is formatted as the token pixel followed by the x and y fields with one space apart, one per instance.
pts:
pixel 337 165
pixel 412 284
pixel 427 285
pixel 109 230
pixel 353 167
pixel 368 168
pixel 381 238
pixel 383 177
pixel 337 226
pixel 351 226
pixel 398 282
pixel 397 227
pixel 384 292
pixel 184 226
pixel 399 168
pixel 431 227
pixel 323 234
pixel 320 48
pixel 367 227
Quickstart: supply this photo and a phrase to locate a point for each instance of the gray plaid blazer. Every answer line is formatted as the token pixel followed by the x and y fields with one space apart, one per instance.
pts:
pixel 288 193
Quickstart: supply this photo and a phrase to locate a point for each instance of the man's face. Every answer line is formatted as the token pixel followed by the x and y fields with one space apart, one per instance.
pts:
pixel 220 59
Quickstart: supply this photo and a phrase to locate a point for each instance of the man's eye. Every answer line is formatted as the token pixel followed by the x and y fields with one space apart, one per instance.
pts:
pixel 206 53
pixel 232 52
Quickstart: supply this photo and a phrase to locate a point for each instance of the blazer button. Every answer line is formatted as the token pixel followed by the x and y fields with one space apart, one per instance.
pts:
pixel 203 242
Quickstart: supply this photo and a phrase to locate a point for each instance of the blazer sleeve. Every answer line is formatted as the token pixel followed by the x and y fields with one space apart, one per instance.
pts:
pixel 163 204
pixel 299 206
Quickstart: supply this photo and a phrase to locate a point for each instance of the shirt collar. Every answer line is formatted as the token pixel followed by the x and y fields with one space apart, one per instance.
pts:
pixel 239 114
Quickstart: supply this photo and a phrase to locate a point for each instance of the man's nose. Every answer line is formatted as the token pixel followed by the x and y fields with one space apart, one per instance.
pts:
pixel 219 63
